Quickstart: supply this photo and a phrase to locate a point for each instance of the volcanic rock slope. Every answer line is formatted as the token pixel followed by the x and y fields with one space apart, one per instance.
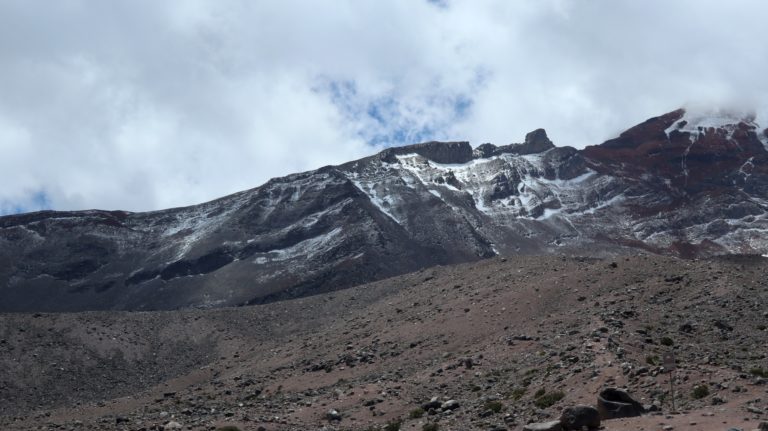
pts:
pixel 679 184
pixel 498 342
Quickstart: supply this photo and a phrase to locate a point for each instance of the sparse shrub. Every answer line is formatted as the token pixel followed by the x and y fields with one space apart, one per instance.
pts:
pixel 759 372
pixel 539 393
pixel 548 399
pixel 416 413
pixel 700 391
pixel 494 406
pixel 476 388
pixel 393 425
pixel 430 427
pixel 761 327
pixel 666 341
pixel 652 360
pixel 517 393
pixel 228 428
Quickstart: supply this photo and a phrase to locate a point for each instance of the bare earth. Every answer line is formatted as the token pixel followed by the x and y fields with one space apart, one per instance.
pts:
pixel 499 330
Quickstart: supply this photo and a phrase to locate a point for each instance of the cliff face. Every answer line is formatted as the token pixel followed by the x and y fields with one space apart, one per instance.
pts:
pixel 677 184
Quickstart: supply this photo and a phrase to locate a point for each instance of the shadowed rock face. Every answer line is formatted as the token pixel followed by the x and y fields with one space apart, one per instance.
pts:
pixel 440 152
pixel 677 184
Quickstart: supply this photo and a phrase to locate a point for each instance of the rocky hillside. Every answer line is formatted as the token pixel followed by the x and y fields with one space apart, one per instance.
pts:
pixel 489 345
pixel 680 184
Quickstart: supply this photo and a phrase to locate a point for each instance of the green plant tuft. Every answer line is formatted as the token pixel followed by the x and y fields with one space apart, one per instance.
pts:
pixel 517 393
pixel 393 425
pixel 416 413
pixel 494 406
pixel 700 391
pixel 548 399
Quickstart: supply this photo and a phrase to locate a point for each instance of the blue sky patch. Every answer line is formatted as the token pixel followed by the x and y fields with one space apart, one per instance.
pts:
pixel 35 202
pixel 392 120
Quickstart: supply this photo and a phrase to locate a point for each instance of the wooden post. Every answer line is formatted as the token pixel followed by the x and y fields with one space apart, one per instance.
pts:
pixel 670 366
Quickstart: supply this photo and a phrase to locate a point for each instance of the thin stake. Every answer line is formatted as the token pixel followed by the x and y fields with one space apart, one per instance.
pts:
pixel 672 388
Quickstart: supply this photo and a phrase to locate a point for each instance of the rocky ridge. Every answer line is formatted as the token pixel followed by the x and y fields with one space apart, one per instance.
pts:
pixel 680 184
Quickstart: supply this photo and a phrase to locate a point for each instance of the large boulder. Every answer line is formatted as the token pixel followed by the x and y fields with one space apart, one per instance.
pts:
pixel 578 417
pixel 615 403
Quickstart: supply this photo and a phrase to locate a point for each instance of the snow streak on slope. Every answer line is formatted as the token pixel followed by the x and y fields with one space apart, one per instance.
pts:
pixel 507 185
pixel 307 248
pixel 376 194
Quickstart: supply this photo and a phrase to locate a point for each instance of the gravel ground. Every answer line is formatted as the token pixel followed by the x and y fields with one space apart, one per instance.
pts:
pixel 509 340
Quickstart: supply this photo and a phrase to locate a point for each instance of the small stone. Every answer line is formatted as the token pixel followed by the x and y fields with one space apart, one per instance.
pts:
pixel 172 425
pixel 450 405
pixel 544 426
pixel 333 415
pixel 433 404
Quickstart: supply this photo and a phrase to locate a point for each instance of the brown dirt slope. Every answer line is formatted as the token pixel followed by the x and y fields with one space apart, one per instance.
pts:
pixel 492 335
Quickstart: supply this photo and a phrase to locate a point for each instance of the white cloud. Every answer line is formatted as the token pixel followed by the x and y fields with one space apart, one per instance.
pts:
pixel 144 105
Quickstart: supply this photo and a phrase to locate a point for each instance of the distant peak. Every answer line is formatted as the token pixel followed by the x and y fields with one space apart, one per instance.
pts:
pixel 695 119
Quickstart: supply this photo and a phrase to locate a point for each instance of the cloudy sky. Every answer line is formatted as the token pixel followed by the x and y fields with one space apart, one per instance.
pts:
pixel 146 104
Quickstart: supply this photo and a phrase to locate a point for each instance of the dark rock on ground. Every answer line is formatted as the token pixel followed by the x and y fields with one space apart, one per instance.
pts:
pixel 577 417
pixel 615 403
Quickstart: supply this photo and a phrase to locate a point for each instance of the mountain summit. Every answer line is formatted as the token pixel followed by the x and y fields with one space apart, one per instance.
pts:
pixel 678 184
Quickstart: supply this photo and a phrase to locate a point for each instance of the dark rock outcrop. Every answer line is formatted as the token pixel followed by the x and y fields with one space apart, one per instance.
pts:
pixel 535 142
pixel 440 152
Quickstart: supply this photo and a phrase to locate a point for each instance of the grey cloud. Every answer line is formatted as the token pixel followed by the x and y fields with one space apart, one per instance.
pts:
pixel 143 105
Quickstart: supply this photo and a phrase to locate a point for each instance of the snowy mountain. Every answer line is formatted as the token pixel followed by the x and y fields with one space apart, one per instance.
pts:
pixel 682 184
